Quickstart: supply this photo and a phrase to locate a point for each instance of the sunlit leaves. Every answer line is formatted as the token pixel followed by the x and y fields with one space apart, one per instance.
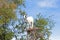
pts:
pixel 9 36
pixel 7 8
pixel 18 1
pixel 42 22
pixel 7 14
pixel 1 31
pixel 45 24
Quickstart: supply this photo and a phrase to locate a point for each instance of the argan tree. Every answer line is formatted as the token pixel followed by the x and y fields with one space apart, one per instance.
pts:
pixel 41 31
pixel 45 25
pixel 7 13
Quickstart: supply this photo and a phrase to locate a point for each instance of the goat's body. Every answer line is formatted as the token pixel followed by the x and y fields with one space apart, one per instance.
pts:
pixel 30 21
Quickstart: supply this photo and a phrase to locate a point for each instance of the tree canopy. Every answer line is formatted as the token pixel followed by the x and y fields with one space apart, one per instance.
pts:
pixel 7 8
pixel 45 25
pixel 8 13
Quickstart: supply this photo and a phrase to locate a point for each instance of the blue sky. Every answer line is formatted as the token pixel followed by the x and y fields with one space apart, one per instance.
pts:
pixel 46 8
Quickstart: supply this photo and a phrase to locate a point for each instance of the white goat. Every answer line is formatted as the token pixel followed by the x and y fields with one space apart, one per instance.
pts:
pixel 30 21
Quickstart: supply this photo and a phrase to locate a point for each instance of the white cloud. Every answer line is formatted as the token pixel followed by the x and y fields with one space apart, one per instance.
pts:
pixel 47 3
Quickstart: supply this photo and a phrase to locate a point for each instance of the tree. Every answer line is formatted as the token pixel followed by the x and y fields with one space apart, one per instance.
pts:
pixel 7 8
pixel 20 27
pixel 7 14
pixel 45 25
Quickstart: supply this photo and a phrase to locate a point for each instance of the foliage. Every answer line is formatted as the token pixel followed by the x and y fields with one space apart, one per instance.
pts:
pixel 7 8
pixel 5 33
pixel 7 13
pixel 45 25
